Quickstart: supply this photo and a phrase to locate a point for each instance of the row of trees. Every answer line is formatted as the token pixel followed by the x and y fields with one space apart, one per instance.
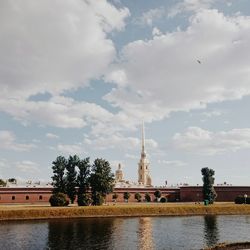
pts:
pixel 138 196
pixel 76 177
pixel 4 183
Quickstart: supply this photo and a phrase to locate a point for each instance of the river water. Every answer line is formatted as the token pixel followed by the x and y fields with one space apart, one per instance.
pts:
pixel 193 232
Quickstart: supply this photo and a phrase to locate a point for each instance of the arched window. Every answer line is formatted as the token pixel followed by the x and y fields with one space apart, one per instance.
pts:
pixel 40 197
pixel 27 197
pixel 13 197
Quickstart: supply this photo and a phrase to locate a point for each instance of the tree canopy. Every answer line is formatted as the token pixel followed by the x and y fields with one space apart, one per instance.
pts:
pixel 101 179
pixel 126 195
pixel 75 176
pixel 71 173
pixel 2 183
pixel 157 194
pixel 138 196
pixel 208 182
pixel 59 180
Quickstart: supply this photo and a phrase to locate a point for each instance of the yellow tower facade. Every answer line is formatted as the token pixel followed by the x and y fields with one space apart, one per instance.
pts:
pixel 143 165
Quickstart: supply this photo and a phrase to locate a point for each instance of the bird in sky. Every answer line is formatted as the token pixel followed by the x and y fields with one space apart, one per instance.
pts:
pixel 199 61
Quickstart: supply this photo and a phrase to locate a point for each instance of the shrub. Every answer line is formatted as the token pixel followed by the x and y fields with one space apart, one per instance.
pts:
pixel 126 196
pixel 84 200
pixel 115 196
pixel 147 197
pixel 157 194
pixel 58 200
pixel 163 199
pixel 138 197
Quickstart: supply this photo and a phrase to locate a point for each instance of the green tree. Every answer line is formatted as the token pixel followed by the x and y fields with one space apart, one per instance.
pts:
pixel 101 180
pixel 71 173
pixel 157 194
pixel 147 197
pixel 97 198
pixel 83 199
pixel 2 183
pixel 138 197
pixel 126 196
pixel 59 181
pixel 208 182
pixel 12 180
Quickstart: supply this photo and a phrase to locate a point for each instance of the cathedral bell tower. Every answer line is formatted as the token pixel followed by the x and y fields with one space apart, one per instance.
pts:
pixel 143 165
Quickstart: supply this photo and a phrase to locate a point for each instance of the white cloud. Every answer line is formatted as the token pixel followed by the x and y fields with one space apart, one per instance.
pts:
pixel 132 156
pixel 73 48
pixel 212 113
pixel 173 163
pixel 118 141
pixel 64 55
pixel 200 141
pixel 163 74
pixel 148 17
pixel 189 6
pixel 58 111
pixel 27 166
pixel 3 166
pixel 71 149
pixel 52 136
pixel 156 32
pixel 8 142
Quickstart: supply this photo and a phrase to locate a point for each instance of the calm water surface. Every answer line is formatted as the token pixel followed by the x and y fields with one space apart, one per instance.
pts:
pixel 124 233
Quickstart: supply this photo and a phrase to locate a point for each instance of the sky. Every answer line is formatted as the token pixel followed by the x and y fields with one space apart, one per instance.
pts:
pixel 80 76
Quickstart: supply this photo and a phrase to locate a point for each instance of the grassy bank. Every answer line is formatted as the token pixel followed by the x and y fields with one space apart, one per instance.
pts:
pixel 43 212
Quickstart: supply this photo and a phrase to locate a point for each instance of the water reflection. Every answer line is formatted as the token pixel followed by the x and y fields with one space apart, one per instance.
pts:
pixel 124 233
pixel 78 234
pixel 145 238
pixel 211 231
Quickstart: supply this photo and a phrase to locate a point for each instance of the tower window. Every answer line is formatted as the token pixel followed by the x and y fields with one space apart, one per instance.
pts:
pixel 40 197
pixel 13 198
pixel 27 197
pixel 141 167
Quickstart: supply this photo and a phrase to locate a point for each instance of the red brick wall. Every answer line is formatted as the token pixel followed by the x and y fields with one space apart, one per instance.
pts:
pixel 224 193
pixel 25 195
pixel 184 194
pixel 20 194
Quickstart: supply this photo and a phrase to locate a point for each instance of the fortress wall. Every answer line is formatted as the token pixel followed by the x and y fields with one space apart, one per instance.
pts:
pixel 224 193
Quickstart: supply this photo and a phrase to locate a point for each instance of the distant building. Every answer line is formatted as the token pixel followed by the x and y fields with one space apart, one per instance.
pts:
pixel 144 178
pixel 39 192
pixel 119 174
